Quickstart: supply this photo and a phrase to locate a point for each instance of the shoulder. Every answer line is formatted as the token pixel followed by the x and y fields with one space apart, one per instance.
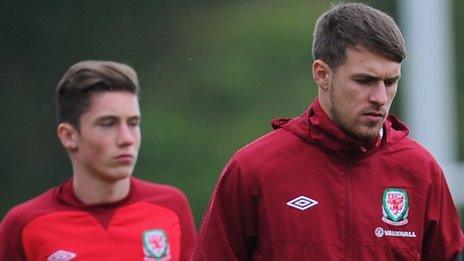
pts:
pixel 146 188
pixel 39 205
pixel 270 149
pixel 401 145
pixel 160 194
pixel 416 158
pixel 410 150
pixel 18 217
pixel 274 140
pixel 262 158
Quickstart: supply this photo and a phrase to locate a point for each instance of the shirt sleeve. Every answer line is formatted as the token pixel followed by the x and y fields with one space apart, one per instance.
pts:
pixel 229 226
pixel 10 238
pixel 443 239
pixel 188 230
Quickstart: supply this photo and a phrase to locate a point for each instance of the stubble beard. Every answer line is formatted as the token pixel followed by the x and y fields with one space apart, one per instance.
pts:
pixel 352 128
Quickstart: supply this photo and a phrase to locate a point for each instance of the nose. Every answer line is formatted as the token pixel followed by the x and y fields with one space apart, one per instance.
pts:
pixel 126 136
pixel 378 94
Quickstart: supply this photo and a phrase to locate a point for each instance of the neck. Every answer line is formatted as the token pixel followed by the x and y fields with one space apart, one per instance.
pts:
pixel 91 190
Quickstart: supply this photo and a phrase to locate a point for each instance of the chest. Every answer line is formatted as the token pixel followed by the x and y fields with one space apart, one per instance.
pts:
pixel 362 210
pixel 138 231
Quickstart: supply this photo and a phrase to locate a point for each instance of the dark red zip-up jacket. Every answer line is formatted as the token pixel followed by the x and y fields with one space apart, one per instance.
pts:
pixel 154 222
pixel 307 191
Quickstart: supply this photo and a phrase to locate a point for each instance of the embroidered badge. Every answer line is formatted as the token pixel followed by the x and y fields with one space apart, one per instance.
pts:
pixel 395 206
pixel 302 203
pixel 61 255
pixel 156 245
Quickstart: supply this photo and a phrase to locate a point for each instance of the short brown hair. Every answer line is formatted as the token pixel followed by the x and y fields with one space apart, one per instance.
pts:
pixel 351 24
pixel 86 77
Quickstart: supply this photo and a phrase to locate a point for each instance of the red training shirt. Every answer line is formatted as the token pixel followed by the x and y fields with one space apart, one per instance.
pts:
pixel 154 222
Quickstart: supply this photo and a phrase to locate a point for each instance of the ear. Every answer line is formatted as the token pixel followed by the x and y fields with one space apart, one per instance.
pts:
pixel 68 135
pixel 321 74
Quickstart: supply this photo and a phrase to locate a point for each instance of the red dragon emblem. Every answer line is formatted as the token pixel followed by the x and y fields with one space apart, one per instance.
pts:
pixel 395 206
pixel 395 202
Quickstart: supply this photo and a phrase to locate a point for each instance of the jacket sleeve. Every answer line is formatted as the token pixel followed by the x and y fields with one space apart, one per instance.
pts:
pixel 443 238
pixel 10 238
pixel 188 229
pixel 229 226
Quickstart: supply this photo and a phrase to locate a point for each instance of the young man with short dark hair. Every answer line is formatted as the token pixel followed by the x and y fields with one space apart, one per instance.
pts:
pixel 343 181
pixel 102 212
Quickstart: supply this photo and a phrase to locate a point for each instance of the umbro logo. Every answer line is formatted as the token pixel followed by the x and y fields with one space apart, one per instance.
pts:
pixel 302 203
pixel 62 255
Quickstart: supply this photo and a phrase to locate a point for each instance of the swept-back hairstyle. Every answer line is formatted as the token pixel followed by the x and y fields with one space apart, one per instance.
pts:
pixel 355 24
pixel 86 77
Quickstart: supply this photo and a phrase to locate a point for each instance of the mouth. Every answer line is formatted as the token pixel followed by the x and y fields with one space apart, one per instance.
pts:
pixel 125 158
pixel 374 116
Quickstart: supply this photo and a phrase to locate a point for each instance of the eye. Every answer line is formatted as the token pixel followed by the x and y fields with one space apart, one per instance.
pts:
pixel 134 122
pixel 390 82
pixel 364 81
pixel 107 122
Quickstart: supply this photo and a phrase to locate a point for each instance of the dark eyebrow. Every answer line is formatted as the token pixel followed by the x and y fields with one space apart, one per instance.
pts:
pixel 135 117
pixel 395 78
pixel 115 117
pixel 370 77
pixel 106 117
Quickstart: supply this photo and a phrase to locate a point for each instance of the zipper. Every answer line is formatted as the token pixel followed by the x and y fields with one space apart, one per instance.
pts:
pixel 349 213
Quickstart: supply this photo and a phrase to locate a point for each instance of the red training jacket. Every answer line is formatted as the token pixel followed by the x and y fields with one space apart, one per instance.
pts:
pixel 154 222
pixel 307 191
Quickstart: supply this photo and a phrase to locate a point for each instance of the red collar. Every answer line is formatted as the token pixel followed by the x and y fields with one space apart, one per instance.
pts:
pixel 315 126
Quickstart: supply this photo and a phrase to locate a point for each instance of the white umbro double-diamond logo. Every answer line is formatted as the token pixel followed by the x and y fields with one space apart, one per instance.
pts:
pixel 302 203
pixel 62 255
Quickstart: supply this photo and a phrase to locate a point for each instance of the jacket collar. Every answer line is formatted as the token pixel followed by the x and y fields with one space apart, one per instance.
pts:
pixel 315 127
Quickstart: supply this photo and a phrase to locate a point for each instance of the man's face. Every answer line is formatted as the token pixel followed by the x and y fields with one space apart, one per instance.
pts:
pixel 360 92
pixel 109 137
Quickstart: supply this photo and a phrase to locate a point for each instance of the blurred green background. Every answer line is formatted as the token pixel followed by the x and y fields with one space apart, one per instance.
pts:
pixel 213 74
